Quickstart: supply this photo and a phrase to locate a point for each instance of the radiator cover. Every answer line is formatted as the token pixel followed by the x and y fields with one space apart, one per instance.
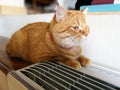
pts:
pixel 56 76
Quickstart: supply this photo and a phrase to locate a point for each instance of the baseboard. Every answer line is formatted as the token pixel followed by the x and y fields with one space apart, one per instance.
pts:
pixel 3 81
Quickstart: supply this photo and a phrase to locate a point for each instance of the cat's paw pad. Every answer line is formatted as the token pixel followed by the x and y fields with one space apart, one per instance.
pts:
pixel 74 64
pixel 85 62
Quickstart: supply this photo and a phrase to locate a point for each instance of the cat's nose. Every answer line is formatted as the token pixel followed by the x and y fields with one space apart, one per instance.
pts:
pixel 86 34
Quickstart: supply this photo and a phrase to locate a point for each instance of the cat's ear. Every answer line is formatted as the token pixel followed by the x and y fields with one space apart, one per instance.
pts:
pixel 85 10
pixel 60 13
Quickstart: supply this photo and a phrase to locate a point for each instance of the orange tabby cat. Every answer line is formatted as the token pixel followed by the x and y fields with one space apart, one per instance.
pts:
pixel 58 40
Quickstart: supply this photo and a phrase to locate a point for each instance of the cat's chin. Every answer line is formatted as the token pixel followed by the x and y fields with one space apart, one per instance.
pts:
pixel 68 47
pixel 69 43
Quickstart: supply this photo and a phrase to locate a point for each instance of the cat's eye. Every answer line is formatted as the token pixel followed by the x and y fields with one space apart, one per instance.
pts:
pixel 76 27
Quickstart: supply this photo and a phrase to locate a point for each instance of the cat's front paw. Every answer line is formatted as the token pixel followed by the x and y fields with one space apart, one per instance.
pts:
pixel 72 63
pixel 84 61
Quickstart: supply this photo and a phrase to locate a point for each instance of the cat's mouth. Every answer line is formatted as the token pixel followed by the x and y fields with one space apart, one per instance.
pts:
pixel 67 47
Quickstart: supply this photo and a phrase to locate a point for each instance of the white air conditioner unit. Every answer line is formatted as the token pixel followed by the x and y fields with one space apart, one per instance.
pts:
pixel 56 76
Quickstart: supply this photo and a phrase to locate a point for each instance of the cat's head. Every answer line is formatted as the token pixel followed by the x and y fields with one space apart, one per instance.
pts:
pixel 69 27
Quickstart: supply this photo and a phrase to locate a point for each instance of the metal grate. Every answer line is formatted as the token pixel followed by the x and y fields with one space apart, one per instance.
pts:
pixel 56 76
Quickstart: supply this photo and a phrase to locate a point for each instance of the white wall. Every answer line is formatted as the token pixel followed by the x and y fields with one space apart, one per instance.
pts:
pixel 9 24
pixel 67 3
pixel 102 45
pixel 2 29
pixel 19 3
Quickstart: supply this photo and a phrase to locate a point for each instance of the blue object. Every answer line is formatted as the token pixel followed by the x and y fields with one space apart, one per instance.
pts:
pixel 103 8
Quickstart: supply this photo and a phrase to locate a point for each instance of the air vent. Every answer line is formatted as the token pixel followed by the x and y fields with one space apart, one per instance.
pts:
pixel 56 76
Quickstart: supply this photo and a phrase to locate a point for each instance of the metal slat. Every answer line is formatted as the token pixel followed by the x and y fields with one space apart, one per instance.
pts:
pixel 79 77
pixel 72 75
pixel 103 84
pixel 38 80
pixel 98 83
pixel 56 76
pixel 63 77
pixel 57 79
pixel 62 72
pixel 69 78
pixel 75 76
pixel 48 79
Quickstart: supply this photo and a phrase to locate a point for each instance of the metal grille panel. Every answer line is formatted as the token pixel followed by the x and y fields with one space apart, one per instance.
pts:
pixel 56 76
